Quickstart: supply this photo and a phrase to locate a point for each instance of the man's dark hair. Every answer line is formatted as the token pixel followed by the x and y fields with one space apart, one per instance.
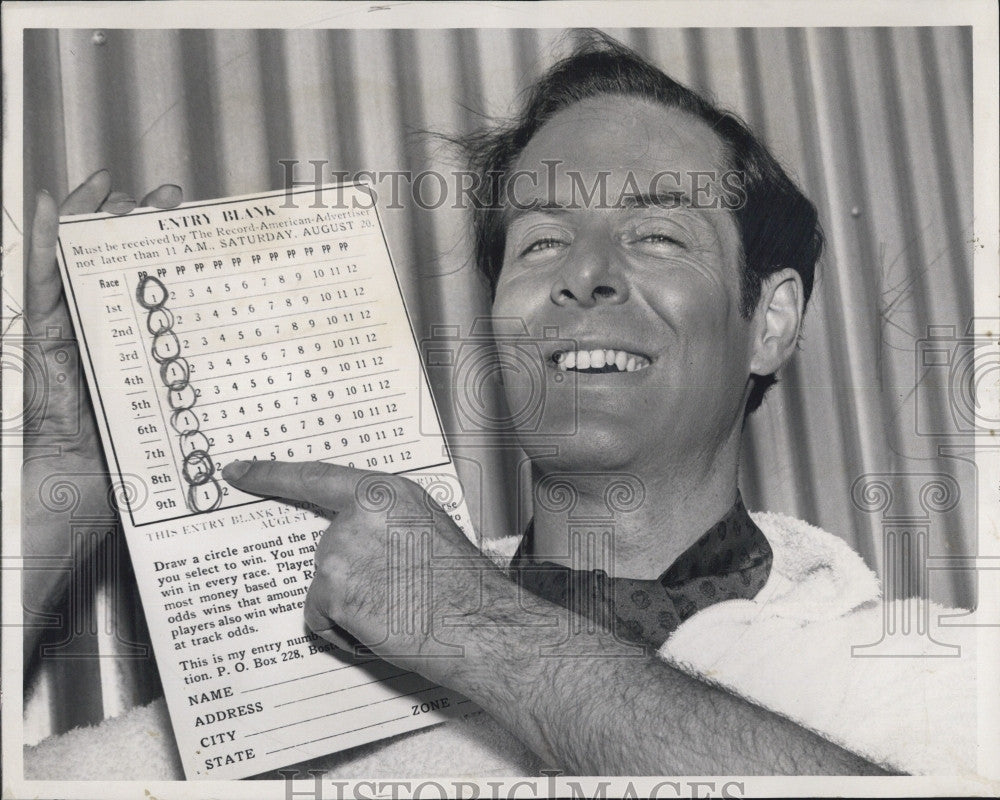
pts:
pixel 777 224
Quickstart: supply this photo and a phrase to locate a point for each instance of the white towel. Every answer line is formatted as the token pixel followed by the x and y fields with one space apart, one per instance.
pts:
pixel 802 649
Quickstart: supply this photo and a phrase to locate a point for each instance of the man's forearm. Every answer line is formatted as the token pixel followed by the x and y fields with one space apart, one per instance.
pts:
pixel 588 704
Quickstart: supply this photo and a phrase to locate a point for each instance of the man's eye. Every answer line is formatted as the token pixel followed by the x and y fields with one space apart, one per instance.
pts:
pixel 541 245
pixel 662 238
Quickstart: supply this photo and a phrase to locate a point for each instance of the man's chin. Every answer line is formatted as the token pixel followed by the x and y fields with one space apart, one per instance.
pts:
pixel 584 451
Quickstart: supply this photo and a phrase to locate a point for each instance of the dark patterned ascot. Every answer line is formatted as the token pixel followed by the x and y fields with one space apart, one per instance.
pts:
pixel 732 560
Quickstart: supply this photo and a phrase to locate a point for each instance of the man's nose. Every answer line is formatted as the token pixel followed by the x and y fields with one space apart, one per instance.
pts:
pixel 590 277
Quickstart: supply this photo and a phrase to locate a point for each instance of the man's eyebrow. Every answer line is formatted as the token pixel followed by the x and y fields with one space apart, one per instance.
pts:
pixel 514 213
pixel 671 199
pixel 674 199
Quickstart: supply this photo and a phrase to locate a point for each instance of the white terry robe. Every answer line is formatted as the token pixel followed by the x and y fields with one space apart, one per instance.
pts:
pixel 799 648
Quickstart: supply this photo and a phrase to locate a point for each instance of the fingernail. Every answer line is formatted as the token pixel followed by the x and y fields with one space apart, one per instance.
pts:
pixel 45 192
pixel 235 470
pixel 171 194
pixel 119 203
pixel 97 173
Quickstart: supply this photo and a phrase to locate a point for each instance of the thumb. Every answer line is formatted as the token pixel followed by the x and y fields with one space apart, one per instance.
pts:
pixel 43 287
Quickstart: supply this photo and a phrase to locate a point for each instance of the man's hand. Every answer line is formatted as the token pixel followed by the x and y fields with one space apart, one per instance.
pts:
pixel 389 569
pixel 65 441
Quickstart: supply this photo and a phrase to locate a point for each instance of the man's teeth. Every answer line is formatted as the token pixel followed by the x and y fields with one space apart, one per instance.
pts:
pixel 604 360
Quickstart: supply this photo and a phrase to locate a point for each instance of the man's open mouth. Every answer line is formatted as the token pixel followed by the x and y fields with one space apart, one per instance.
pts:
pixel 597 361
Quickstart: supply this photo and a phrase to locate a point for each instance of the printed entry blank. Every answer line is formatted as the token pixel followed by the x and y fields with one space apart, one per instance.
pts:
pixel 214 348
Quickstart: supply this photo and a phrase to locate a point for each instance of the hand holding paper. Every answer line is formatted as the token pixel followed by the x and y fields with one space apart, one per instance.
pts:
pixel 67 425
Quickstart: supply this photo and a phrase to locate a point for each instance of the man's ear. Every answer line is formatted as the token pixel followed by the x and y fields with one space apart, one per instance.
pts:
pixel 778 319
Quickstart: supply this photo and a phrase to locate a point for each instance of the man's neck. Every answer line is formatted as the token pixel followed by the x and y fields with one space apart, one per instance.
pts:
pixel 629 525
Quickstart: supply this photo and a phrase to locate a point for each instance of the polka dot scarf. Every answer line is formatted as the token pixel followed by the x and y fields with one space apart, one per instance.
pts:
pixel 732 560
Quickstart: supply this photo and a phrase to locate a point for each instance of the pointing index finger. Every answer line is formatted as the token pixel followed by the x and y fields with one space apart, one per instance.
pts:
pixel 325 485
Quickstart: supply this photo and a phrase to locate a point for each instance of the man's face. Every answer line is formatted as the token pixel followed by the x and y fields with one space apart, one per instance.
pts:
pixel 656 284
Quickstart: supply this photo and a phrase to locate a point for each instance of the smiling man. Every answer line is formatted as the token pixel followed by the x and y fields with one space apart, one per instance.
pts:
pixel 657 235
pixel 659 284
pixel 648 283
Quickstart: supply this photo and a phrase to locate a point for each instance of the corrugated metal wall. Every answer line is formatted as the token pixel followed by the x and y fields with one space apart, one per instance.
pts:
pixel 875 123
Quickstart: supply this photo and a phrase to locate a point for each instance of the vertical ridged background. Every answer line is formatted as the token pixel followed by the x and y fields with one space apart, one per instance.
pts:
pixel 875 124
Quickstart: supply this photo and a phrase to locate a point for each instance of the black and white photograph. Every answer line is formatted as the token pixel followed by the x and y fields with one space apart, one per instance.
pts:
pixel 561 399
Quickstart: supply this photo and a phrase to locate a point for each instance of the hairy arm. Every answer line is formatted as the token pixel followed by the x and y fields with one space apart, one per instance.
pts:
pixel 587 704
